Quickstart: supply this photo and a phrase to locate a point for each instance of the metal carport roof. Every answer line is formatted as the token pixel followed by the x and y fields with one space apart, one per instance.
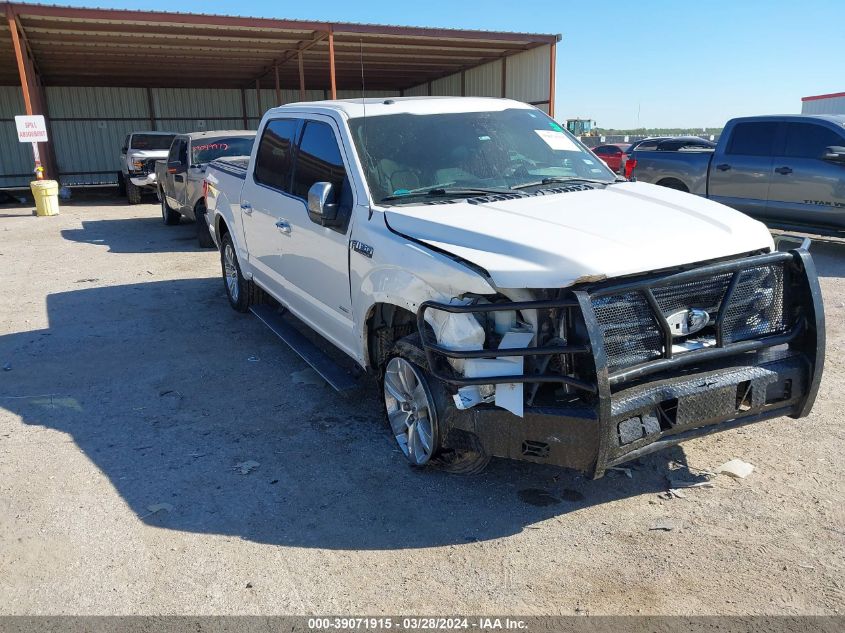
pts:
pixel 79 46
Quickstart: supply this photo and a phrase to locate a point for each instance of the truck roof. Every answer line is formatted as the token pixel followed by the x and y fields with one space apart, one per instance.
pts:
pixel 839 119
pixel 354 108
pixel 215 133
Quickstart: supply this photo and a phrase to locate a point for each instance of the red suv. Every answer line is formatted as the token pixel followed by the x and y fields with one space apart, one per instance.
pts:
pixel 612 154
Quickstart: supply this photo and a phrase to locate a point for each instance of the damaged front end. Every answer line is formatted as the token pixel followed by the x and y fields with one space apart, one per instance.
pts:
pixel 607 371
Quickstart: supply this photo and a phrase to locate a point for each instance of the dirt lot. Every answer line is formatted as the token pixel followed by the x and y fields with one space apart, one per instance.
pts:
pixel 133 391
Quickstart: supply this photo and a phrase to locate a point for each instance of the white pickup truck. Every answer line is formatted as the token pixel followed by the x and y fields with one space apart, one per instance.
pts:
pixel 512 295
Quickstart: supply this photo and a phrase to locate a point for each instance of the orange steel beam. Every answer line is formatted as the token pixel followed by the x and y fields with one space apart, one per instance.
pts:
pixel 301 78
pixel 552 60
pixel 16 45
pixel 331 65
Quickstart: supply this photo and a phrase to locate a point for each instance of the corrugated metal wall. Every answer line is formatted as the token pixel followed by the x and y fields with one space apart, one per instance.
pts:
pixel 89 124
pixel 831 105
pixel 485 81
pixel 15 158
pixel 526 76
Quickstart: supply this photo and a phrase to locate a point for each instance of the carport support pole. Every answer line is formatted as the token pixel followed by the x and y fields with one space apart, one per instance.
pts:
pixel 302 78
pixel 258 97
pixel 27 98
pixel 278 87
pixel 331 64
pixel 552 60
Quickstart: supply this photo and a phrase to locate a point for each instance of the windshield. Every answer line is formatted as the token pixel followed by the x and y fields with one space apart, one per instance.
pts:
pixel 152 141
pixel 209 149
pixel 403 154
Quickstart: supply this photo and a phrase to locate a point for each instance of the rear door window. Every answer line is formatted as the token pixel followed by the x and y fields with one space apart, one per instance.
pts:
pixel 809 140
pixel 274 158
pixel 753 139
pixel 318 160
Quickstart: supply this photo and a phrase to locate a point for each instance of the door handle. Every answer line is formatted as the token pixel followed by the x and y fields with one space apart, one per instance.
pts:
pixel 283 226
pixel 723 167
pixel 246 207
pixel 783 171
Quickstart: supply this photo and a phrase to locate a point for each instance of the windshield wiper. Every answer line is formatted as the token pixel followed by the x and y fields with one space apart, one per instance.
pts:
pixel 445 192
pixel 564 179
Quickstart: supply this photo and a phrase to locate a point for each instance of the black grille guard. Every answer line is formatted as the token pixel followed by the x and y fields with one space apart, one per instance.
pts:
pixel 807 326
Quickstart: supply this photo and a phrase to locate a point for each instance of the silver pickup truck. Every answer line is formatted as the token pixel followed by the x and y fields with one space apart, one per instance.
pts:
pixel 180 177
pixel 788 171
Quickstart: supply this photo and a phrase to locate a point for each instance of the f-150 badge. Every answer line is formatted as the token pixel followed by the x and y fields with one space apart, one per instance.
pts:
pixel 359 247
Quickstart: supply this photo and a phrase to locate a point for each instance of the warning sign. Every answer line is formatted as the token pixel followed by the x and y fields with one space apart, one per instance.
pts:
pixel 31 129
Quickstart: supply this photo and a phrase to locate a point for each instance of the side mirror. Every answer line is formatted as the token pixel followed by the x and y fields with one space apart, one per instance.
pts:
pixel 124 149
pixel 834 154
pixel 320 210
pixel 176 167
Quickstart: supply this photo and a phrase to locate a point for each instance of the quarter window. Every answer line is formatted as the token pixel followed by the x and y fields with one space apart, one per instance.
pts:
pixel 275 154
pixel 753 139
pixel 808 140
pixel 318 160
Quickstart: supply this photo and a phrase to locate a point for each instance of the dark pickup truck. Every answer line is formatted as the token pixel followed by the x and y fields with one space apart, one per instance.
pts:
pixel 787 171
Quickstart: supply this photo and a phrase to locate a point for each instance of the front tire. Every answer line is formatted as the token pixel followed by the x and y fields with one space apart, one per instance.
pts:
pixel 455 451
pixel 121 184
pixel 133 192
pixel 411 410
pixel 168 215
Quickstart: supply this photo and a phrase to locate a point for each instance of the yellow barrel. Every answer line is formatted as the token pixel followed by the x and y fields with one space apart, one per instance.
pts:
pixel 46 194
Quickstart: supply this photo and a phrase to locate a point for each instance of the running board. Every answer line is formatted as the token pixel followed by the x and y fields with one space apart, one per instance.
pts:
pixel 319 361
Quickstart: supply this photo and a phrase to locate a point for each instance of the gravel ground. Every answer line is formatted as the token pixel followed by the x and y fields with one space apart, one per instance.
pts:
pixel 133 392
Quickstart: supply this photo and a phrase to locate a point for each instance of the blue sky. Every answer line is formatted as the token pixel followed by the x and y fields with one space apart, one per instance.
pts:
pixel 650 62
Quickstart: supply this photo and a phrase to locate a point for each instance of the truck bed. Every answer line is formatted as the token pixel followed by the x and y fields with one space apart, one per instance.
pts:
pixel 682 169
pixel 234 166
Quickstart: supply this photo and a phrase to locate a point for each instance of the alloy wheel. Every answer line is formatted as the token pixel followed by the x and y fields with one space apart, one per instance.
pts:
pixel 410 410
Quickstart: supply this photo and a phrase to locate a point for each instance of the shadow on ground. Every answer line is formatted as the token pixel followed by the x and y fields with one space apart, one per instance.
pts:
pixel 136 235
pixel 167 390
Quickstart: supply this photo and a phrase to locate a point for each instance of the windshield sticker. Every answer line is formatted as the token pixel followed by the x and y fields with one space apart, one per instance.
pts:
pixel 557 140
pixel 200 148
pixel 555 126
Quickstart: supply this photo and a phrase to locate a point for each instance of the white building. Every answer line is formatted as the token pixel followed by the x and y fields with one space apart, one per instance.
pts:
pixel 824 104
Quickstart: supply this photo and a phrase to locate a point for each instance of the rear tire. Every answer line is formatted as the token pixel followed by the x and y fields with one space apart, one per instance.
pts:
pixel 133 192
pixel 203 234
pixel 242 293
pixel 168 215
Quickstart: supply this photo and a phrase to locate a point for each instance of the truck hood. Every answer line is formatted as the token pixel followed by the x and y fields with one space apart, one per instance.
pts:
pixel 553 241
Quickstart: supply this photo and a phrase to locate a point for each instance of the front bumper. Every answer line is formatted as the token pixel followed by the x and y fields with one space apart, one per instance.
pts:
pixel 626 413
pixel 143 180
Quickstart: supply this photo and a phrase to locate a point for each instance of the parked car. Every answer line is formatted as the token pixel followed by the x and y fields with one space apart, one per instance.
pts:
pixel 612 154
pixel 181 176
pixel 513 297
pixel 650 141
pixel 664 144
pixel 138 157
pixel 788 171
